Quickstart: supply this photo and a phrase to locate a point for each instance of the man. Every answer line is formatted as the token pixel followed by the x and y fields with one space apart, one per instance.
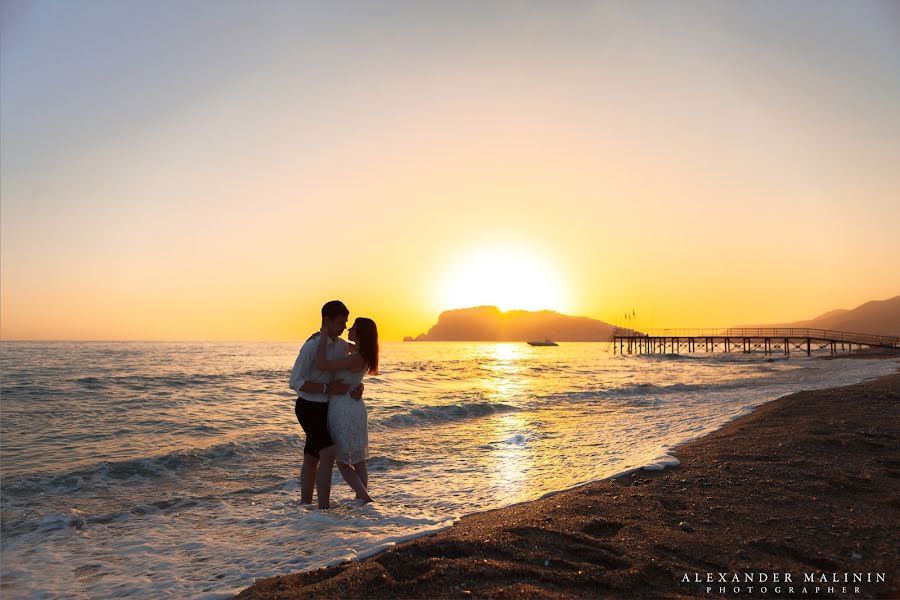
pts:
pixel 313 389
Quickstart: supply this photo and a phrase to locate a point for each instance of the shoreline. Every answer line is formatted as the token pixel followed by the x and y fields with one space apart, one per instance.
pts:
pixel 776 491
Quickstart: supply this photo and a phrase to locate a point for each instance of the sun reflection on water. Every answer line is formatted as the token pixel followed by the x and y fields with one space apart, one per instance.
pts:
pixel 511 457
pixel 511 453
pixel 503 365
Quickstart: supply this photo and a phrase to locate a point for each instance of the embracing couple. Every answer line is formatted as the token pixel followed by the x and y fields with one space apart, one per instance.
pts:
pixel 327 377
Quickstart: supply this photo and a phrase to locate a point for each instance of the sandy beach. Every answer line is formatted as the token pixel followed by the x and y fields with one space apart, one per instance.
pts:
pixel 802 494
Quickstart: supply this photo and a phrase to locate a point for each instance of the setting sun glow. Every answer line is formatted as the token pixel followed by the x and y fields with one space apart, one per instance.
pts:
pixel 508 278
pixel 216 171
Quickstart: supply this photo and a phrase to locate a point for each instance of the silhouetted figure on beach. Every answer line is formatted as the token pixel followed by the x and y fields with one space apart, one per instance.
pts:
pixel 347 416
pixel 314 388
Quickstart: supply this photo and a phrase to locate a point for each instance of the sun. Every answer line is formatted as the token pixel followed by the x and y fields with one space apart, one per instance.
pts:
pixel 508 278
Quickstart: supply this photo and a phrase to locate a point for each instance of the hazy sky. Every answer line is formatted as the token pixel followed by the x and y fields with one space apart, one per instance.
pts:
pixel 217 170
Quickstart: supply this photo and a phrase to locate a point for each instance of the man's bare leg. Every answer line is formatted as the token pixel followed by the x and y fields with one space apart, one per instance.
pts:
pixel 308 478
pixel 323 477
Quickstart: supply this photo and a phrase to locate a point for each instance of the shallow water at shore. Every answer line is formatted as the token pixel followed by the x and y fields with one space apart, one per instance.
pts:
pixel 170 469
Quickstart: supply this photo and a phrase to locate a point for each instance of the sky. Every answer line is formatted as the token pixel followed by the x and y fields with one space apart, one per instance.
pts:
pixel 217 170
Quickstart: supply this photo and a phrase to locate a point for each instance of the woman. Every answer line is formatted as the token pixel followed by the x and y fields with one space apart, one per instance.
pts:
pixel 347 419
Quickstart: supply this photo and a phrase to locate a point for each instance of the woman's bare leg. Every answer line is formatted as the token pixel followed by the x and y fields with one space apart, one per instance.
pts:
pixel 352 478
pixel 363 472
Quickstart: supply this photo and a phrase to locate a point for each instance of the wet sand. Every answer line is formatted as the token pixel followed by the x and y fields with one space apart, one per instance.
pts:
pixel 807 485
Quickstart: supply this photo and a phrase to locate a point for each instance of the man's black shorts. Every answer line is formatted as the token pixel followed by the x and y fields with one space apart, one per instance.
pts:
pixel 313 418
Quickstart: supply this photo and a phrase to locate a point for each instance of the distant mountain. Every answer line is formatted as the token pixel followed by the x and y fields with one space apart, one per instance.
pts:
pixel 490 324
pixel 880 317
pixel 831 314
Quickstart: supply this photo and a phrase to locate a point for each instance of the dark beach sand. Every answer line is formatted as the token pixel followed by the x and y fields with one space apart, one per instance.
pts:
pixel 805 484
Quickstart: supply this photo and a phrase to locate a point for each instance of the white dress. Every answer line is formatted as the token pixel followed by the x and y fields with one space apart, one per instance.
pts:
pixel 348 421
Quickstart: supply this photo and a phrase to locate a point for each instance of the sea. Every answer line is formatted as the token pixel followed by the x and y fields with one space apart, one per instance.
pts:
pixel 169 470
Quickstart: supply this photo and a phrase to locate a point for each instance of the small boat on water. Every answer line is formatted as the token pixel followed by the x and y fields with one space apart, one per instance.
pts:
pixel 546 342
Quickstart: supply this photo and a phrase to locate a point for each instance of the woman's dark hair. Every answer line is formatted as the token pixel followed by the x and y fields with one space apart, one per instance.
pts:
pixel 367 342
pixel 334 308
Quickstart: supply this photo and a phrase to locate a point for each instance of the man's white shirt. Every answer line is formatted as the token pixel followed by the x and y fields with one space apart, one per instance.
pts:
pixel 305 366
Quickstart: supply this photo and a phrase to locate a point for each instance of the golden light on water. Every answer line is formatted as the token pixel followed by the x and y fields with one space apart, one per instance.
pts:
pixel 511 459
pixel 502 363
pixel 507 351
pixel 507 277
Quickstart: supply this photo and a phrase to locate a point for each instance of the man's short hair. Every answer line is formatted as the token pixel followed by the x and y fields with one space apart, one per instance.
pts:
pixel 334 308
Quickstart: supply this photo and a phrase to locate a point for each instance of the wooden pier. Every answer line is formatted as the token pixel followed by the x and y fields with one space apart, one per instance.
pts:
pixel 747 341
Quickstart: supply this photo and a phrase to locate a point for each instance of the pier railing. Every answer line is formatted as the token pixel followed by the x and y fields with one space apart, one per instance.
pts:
pixel 825 335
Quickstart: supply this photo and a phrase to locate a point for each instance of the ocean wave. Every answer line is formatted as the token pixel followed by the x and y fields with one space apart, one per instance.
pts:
pixel 170 463
pixel 644 389
pixel 27 391
pixel 518 440
pixel 547 369
pixel 384 463
pixel 147 467
pixel 732 357
pixel 671 356
pixel 647 388
pixel 180 380
pixel 77 519
pixel 430 415
pixel 639 389
pixel 642 401
pixel 422 365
